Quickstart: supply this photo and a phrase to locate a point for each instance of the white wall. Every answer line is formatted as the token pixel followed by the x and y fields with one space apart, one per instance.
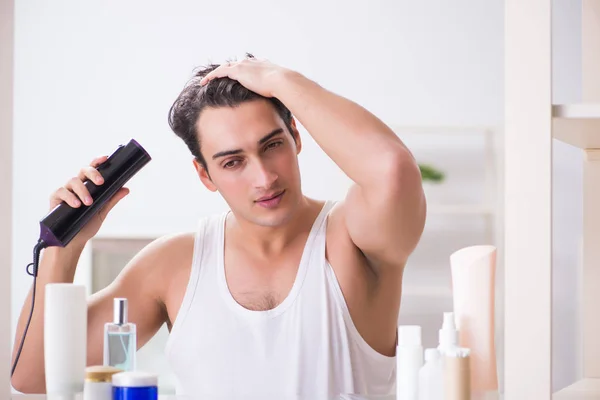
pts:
pixel 567 201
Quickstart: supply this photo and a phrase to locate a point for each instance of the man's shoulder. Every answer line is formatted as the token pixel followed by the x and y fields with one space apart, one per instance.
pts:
pixel 173 243
pixel 184 239
pixel 166 250
pixel 156 265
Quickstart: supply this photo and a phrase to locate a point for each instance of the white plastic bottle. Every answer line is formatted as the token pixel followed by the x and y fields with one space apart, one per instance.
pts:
pixel 65 339
pixel 409 359
pixel 431 377
pixel 448 335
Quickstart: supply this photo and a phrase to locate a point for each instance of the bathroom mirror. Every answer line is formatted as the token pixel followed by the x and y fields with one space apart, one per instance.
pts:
pixel 91 76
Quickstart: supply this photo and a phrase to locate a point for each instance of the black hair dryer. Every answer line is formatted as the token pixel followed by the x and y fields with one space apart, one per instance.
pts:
pixel 64 222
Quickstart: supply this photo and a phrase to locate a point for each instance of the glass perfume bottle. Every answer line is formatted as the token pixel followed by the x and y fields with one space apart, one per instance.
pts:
pixel 120 339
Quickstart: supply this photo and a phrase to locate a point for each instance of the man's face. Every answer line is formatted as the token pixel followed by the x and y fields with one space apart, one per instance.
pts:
pixel 252 161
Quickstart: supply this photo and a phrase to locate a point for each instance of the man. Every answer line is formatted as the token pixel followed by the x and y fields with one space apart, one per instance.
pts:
pixel 284 294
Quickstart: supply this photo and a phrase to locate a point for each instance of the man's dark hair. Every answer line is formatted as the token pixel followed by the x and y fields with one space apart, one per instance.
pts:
pixel 220 92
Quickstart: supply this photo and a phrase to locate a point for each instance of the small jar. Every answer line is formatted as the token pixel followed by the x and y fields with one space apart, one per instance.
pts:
pixel 135 385
pixel 98 382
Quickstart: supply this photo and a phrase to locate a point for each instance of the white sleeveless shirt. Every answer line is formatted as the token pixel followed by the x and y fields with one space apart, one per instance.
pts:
pixel 307 345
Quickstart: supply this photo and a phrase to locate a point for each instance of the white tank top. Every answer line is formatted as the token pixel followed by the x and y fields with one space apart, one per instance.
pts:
pixel 307 345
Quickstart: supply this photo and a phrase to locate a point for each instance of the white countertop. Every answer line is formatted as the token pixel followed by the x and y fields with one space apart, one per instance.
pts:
pixel 480 396
pixel 174 397
pixel 486 396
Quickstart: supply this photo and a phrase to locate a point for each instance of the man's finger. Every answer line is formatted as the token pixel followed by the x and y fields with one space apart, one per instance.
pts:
pixel 210 77
pixel 219 72
pixel 98 160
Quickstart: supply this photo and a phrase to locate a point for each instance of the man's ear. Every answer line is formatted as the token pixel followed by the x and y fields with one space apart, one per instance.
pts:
pixel 296 136
pixel 204 176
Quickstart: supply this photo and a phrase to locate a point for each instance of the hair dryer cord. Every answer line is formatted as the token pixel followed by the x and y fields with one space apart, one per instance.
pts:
pixel 37 250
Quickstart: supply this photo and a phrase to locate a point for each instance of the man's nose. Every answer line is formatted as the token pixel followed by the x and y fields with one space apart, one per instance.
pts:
pixel 264 176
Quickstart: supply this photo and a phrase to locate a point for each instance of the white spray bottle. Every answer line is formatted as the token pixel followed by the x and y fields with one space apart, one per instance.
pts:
pixel 448 335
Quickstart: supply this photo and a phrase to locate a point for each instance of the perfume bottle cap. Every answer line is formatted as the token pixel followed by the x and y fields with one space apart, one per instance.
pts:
pixel 120 311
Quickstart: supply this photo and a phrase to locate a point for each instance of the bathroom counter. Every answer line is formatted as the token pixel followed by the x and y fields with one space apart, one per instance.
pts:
pixel 174 397
pixel 490 396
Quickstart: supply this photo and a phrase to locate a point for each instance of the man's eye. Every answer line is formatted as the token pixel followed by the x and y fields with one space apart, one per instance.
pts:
pixel 230 164
pixel 273 145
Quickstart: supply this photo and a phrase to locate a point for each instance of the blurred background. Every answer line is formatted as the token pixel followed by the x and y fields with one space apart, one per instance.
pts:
pixel 92 75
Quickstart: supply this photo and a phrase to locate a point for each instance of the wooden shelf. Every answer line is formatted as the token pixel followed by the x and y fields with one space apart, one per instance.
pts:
pixel 585 389
pixel 577 124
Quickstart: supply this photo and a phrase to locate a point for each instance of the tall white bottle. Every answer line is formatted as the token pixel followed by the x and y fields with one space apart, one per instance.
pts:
pixel 409 359
pixel 65 339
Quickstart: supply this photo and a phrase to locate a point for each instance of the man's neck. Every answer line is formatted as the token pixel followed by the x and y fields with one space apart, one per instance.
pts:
pixel 269 241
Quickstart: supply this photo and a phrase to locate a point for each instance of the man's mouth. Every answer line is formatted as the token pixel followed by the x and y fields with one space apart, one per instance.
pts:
pixel 270 196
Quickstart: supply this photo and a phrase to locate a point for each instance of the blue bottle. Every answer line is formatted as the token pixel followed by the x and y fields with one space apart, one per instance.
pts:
pixel 135 385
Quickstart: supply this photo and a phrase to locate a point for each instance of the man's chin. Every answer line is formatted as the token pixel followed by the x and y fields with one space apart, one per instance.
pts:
pixel 273 221
pixel 273 217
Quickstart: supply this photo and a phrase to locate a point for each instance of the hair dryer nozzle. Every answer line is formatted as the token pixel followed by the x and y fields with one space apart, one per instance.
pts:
pixel 64 222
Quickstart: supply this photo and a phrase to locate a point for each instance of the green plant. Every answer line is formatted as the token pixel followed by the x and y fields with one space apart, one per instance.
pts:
pixel 431 174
